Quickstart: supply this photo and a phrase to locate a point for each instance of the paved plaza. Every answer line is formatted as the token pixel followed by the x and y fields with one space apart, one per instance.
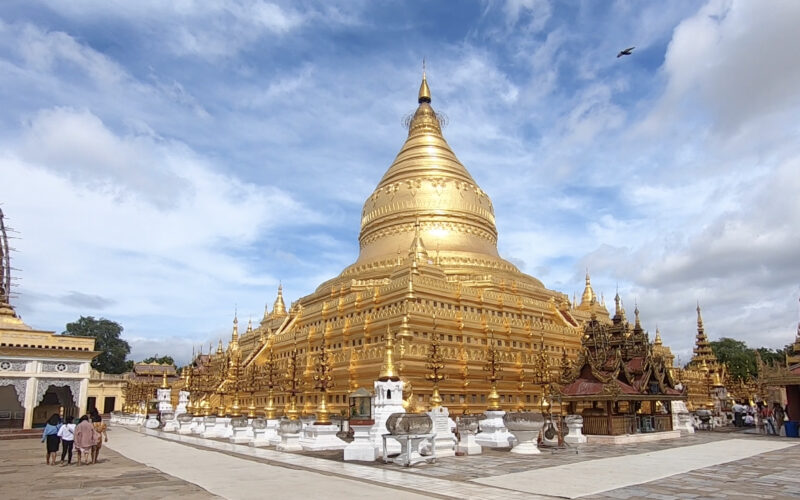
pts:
pixel 150 464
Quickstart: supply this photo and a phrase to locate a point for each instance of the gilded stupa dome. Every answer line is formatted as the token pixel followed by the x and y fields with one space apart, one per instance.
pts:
pixel 427 195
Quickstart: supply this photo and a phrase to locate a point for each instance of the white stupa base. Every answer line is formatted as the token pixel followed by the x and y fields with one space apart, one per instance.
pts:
pixel 526 448
pixel 289 442
pixel 259 439
pixel 171 426
pixel 271 432
pixel 468 446
pixel 210 431
pixel 388 399
pixel 361 449
pixel 224 429
pixel 185 428
pixel 575 434
pixel 321 438
pixel 241 435
pixel 493 431
pixel 445 440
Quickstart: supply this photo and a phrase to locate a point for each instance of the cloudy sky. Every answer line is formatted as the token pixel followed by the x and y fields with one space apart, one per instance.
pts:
pixel 166 162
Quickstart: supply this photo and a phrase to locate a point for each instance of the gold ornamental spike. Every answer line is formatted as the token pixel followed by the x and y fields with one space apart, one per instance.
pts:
pixel 164 384
pixel 388 371
pixel 424 90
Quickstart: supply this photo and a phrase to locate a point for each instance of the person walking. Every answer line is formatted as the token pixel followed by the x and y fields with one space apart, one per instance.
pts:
pixel 84 439
pixel 67 435
pixel 50 434
pixel 769 421
pixel 100 433
pixel 780 416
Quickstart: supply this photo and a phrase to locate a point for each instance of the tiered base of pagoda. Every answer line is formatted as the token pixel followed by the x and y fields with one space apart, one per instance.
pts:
pixel 632 438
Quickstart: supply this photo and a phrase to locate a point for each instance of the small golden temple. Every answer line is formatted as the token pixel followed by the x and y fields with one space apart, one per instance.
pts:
pixel 704 376
pixel 428 273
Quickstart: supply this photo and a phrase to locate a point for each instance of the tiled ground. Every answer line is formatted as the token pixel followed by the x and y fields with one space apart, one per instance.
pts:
pixel 24 475
pixel 769 475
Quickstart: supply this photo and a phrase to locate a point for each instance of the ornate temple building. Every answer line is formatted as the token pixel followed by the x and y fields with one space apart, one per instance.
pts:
pixel 623 383
pixel 428 268
pixel 786 378
pixel 41 373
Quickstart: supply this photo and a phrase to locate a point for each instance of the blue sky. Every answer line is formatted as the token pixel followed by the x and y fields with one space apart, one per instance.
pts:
pixel 166 162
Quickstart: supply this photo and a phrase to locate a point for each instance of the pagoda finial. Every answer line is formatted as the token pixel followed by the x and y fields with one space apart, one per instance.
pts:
pixel 388 371
pixel 235 332
pixel 618 303
pixel 588 296
pixel 219 347
pixel 699 318
pixel 424 90
pixel 657 340
pixel 279 307
pixel 636 313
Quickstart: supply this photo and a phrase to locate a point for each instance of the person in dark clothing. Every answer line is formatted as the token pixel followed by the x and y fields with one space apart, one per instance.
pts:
pixel 50 434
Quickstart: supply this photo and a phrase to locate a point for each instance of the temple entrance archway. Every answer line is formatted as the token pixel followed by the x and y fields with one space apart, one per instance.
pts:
pixel 12 413
pixel 55 399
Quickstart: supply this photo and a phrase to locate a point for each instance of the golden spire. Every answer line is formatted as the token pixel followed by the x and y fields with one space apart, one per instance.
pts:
pixel 388 371
pixel 424 91
pixel 657 340
pixel 699 320
pixel 279 308
pixel 219 347
pixel 588 293
pixel 636 315
pixel 249 326
pixel 164 384
pixel 265 318
pixel 417 251
pixel 235 332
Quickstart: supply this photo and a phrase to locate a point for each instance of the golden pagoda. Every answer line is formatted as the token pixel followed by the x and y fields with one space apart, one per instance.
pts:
pixel 428 248
pixel 704 375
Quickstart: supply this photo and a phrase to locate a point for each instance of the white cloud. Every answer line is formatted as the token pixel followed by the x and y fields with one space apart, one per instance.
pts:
pixel 122 254
pixel 736 60
pixel 533 14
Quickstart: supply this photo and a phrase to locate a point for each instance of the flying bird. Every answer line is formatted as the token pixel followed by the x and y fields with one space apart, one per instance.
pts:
pixel 625 52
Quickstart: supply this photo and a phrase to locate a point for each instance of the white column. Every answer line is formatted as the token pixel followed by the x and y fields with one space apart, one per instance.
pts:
pixel 30 403
pixel 83 397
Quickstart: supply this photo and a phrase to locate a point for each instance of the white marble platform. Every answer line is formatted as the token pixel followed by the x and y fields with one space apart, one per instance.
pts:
pixel 380 483
pixel 644 437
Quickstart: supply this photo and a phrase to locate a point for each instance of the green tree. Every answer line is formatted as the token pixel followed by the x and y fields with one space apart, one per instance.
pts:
pixel 106 333
pixel 771 356
pixel 162 360
pixel 741 360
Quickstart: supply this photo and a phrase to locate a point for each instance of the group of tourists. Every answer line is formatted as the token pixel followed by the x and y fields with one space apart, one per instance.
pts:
pixel 85 436
pixel 762 416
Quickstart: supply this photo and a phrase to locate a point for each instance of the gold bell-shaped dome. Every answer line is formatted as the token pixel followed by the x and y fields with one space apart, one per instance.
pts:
pixel 428 192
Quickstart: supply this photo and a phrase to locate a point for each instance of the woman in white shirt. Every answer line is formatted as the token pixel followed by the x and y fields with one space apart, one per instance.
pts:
pixel 67 435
